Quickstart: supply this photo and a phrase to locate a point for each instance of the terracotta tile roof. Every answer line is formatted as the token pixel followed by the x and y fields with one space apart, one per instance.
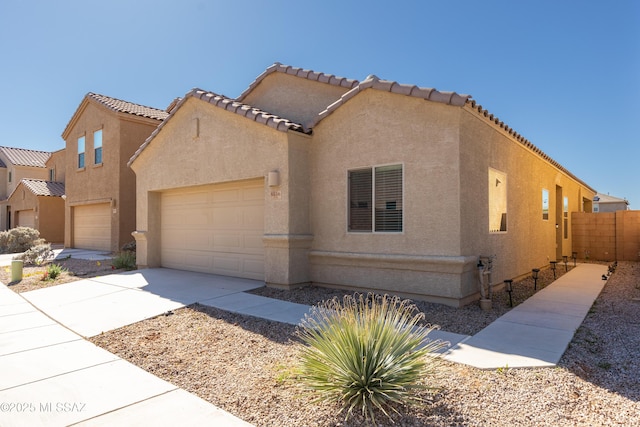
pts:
pixel 302 73
pixel 231 105
pixel 41 187
pixel 24 157
pixel 129 107
pixel 373 82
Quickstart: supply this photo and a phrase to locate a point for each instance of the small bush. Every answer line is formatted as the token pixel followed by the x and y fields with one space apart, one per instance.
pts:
pixel 53 271
pixel 368 353
pixel 37 255
pixel 19 239
pixel 125 260
pixel 130 246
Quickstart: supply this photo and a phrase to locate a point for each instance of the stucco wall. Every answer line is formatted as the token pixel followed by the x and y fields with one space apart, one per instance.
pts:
pixel 530 241
pixel 203 144
pixel 50 219
pixel 378 128
pixel 295 98
pixel 58 162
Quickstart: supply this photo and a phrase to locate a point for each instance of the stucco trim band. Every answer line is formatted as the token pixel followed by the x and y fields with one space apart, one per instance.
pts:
pixel 287 241
pixel 427 263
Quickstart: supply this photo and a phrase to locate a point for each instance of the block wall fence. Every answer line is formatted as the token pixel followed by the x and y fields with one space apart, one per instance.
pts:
pixel 606 236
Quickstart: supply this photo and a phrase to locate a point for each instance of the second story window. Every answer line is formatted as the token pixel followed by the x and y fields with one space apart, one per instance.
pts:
pixel 97 146
pixel 52 175
pixel 10 176
pixel 81 152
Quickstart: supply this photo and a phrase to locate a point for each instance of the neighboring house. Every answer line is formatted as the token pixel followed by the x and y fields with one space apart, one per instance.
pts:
pixel 39 204
pixel 372 185
pixel 606 203
pixel 17 164
pixel 101 136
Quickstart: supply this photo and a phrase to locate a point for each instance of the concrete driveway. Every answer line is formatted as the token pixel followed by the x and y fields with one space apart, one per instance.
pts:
pixel 51 376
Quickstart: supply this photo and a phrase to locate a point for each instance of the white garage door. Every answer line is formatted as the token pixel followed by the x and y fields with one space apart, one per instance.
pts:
pixel 214 229
pixel 26 218
pixel 92 227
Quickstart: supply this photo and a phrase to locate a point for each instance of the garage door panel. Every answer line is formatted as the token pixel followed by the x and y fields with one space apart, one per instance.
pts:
pixel 215 229
pixel 92 226
pixel 26 218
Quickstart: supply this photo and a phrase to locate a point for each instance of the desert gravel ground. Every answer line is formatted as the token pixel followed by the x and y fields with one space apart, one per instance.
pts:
pixel 246 366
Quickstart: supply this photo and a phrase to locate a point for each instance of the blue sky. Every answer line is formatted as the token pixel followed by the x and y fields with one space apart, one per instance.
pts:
pixel 564 74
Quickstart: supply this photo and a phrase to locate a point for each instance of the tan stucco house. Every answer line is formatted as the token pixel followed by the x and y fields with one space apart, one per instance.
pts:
pixel 372 185
pixel 100 138
pixel 39 204
pixel 607 203
pixel 17 164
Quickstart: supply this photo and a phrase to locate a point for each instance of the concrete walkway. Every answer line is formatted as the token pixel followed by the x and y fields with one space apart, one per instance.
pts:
pixel 537 332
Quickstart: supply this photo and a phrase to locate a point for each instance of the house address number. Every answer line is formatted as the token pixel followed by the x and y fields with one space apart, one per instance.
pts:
pixel 276 194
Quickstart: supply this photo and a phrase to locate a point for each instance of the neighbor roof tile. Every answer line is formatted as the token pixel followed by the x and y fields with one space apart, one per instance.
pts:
pixel 41 187
pixel 24 157
pixel 129 107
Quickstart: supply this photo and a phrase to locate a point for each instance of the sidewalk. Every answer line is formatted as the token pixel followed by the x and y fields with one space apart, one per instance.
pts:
pixel 537 332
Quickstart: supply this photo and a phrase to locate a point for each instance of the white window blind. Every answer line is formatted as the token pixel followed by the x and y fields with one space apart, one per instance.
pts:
pixel 375 199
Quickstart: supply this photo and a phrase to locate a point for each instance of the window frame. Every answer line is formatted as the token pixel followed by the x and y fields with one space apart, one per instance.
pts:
pixel 545 205
pixel 374 193
pixel 565 217
pixel 96 148
pixel 81 163
pixel 493 176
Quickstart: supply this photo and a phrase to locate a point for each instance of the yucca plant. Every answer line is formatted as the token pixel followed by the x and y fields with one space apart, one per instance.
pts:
pixel 368 353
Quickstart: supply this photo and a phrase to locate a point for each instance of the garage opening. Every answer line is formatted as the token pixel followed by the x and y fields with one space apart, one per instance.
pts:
pixel 215 229
pixel 92 227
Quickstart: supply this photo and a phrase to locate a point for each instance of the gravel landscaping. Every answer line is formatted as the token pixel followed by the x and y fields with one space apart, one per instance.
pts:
pixel 246 365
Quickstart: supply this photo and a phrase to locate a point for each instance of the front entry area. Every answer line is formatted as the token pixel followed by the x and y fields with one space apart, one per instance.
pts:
pixel 215 229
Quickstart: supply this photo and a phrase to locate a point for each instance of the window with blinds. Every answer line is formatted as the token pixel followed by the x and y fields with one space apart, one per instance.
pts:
pixel 375 199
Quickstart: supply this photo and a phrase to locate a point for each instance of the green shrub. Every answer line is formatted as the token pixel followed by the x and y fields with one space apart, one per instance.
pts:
pixel 19 239
pixel 125 260
pixel 53 271
pixel 368 353
pixel 36 255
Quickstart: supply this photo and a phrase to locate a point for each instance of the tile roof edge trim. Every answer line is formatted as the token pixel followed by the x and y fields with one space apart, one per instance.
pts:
pixel 374 82
pixel 88 98
pixel 228 104
pixel 24 180
pixel 486 115
pixel 312 75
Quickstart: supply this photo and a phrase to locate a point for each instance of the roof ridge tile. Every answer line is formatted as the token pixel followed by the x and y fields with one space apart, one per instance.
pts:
pixel 307 74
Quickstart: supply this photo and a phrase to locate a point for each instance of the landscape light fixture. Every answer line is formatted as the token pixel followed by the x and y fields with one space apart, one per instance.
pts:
pixel 574 255
pixel 509 287
pixel 553 267
pixel 565 258
pixel 534 274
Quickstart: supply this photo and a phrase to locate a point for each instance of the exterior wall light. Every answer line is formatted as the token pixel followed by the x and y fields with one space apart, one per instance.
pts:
pixel 273 179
